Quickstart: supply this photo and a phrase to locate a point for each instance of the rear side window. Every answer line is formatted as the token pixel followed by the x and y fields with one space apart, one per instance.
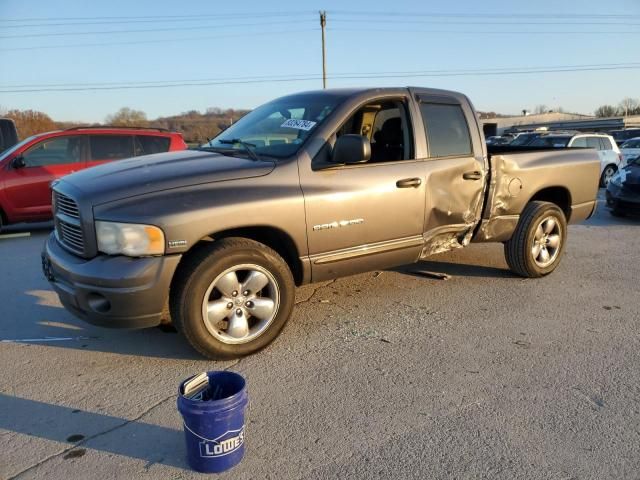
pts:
pixel 148 144
pixel 111 147
pixel 447 130
pixel 594 142
pixel 606 144
pixel 55 151
pixel 580 142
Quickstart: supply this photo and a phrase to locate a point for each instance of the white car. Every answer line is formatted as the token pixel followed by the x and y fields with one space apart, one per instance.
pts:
pixel 608 151
pixel 630 149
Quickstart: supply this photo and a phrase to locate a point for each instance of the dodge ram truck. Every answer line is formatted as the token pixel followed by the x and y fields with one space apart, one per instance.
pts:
pixel 306 188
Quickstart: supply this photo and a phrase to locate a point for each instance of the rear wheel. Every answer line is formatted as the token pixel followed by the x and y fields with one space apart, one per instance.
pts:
pixel 537 244
pixel 607 173
pixel 232 298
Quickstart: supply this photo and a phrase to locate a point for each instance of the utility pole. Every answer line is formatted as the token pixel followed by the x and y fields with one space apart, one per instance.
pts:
pixel 323 22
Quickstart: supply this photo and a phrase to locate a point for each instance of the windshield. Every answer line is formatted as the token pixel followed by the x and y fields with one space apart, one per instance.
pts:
pixel 635 143
pixel 524 139
pixel 556 142
pixel 10 150
pixel 277 129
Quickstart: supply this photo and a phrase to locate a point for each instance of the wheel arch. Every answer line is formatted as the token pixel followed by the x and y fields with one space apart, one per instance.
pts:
pixel 559 196
pixel 272 237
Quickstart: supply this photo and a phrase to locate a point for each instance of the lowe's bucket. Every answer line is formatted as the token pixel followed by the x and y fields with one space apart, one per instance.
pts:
pixel 214 427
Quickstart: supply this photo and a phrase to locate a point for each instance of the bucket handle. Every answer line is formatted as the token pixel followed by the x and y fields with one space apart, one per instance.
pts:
pixel 209 439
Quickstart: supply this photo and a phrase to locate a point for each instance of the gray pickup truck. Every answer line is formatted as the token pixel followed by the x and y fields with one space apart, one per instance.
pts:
pixel 306 188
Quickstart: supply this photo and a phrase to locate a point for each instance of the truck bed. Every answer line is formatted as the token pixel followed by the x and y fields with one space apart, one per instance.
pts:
pixel 521 174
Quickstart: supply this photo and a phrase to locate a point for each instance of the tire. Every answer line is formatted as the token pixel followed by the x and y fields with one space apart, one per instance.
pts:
pixel 608 172
pixel 210 271
pixel 520 250
pixel 615 212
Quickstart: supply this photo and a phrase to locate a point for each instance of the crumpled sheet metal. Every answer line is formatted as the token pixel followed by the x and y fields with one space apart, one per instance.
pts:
pixel 444 201
pixel 499 219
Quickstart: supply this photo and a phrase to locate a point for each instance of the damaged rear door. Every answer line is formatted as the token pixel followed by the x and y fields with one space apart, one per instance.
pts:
pixel 456 169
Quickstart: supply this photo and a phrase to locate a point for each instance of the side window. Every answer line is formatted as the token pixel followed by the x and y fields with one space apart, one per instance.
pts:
pixel 55 151
pixel 606 144
pixel 148 144
pixel 580 142
pixel 592 142
pixel 111 147
pixel 447 130
pixel 386 125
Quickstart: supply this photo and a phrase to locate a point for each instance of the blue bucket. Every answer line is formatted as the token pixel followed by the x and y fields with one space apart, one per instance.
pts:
pixel 214 429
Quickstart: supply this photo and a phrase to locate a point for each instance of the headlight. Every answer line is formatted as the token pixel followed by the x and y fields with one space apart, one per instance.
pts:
pixel 616 179
pixel 129 239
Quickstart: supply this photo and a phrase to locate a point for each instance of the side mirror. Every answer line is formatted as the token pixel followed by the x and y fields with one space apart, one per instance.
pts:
pixel 350 149
pixel 18 162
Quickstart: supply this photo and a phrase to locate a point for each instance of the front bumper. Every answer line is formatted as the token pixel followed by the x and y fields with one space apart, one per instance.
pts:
pixel 618 198
pixel 110 291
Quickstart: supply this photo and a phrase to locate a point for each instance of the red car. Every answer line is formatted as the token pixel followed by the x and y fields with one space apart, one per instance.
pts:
pixel 28 168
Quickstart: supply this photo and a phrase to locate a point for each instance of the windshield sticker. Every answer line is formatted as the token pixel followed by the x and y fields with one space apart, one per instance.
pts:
pixel 299 124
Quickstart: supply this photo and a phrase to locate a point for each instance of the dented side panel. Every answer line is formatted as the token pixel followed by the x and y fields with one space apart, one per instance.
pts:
pixel 516 178
pixel 453 204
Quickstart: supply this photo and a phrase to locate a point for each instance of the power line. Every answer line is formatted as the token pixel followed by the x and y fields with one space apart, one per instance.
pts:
pixel 158 40
pixel 333 12
pixel 480 15
pixel 157 20
pixel 157 17
pixel 465 22
pixel 167 29
pixel 489 32
pixel 417 74
pixel 336 75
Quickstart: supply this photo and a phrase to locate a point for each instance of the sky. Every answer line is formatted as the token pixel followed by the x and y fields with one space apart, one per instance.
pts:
pixel 243 53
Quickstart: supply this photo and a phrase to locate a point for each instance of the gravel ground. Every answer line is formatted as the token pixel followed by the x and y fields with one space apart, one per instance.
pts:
pixel 380 375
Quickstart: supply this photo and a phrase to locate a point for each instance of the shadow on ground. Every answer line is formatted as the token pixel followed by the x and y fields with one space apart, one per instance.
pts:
pixel 453 269
pixel 78 430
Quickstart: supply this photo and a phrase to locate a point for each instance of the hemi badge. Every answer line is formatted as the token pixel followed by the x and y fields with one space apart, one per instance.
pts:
pixel 177 243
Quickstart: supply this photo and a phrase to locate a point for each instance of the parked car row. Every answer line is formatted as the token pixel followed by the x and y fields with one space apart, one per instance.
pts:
pixel 28 168
pixel 611 158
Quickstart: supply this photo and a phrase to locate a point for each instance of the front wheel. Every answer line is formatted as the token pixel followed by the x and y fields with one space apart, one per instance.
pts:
pixel 232 298
pixel 607 174
pixel 537 244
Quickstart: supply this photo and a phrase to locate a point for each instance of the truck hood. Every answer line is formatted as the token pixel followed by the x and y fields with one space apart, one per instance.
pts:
pixel 152 173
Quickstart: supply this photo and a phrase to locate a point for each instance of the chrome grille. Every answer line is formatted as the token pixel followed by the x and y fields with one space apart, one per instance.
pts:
pixel 65 205
pixel 67 223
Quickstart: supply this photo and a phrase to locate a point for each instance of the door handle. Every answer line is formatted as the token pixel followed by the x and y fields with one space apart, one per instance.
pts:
pixel 409 183
pixel 472 175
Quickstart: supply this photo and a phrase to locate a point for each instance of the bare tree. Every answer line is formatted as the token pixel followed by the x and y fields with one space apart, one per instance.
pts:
pixel 127 117
pixel 30 122
pixel 541 109
pixel 606 111
pixel 629 106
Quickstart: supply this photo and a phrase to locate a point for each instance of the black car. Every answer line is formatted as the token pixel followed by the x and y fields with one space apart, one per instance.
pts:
pixel 622 136
pixel 623 192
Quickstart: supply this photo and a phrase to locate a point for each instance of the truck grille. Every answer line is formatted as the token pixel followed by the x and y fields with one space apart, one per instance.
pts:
pixel 65 205
pixel 67 223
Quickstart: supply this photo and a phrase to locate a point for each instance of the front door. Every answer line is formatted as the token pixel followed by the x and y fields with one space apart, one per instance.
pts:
pixel 27 189
pixel 367 216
